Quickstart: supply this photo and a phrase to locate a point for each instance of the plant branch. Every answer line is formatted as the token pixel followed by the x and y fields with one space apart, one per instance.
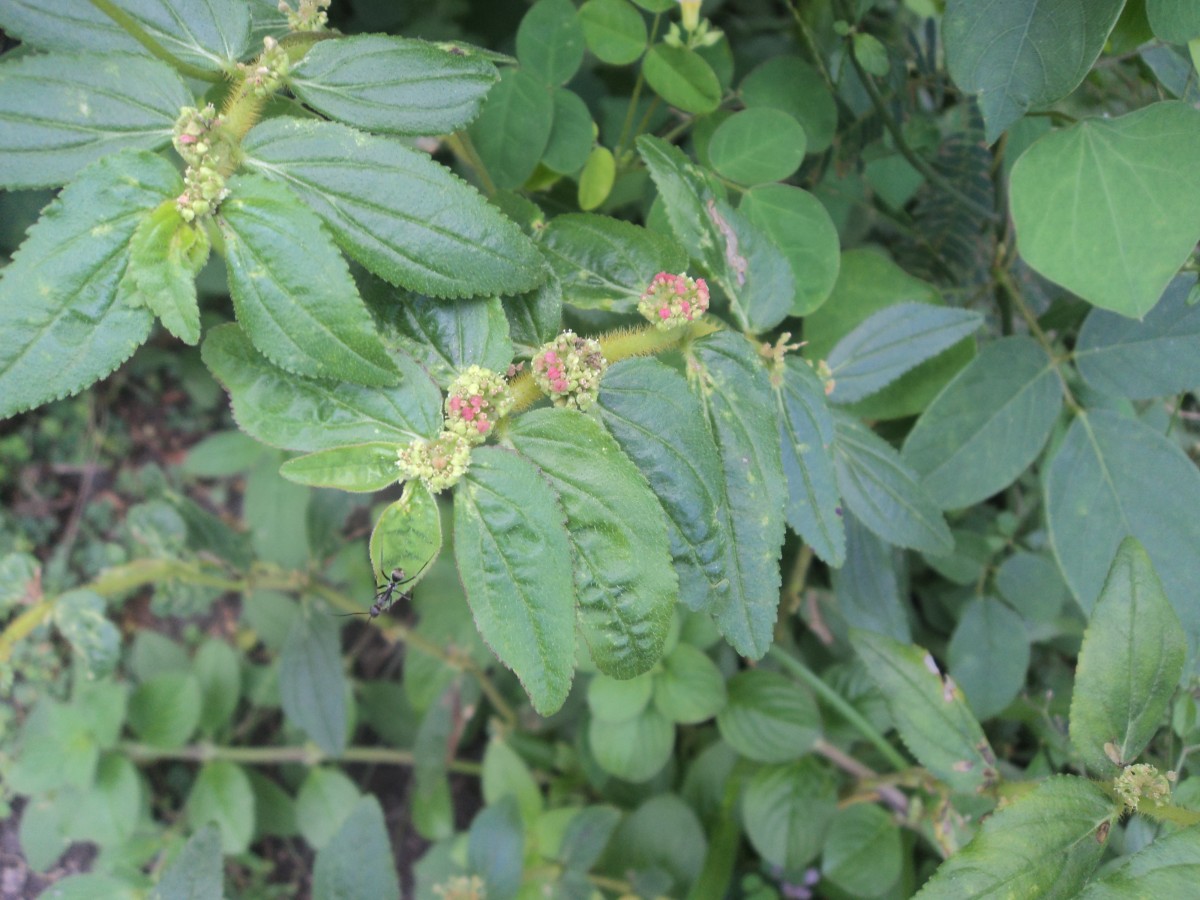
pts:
pixel 461 146
pixel 135 31
pixel 1004 279
pixel 308 755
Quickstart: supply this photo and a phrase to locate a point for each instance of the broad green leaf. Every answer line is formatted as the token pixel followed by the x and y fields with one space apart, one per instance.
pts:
pixel 505 774
pixel 211 34
pixel 596 179
pixel 301 414
pixel 63 317
pixel 662 834
pixel 682 78
pixel 786 810
pixel 987 425
pixel 1113 478
pixel 447 336
pixel 218 671
pixel 799 225
pixel 514 127
pixel 550 41
pixel 614 31
pixel 659 424
pixel 196 871
pixel 437 736
pixel 769 718
pixel 514 558
pixel 571 136
pixel 357 862
pixel 79 616
pixel 611 700
pixel 635 749
pixel 929 712
pixel 392 84
pixel 1129 666
pixel 221 794
pixel 1174 21
pixel 867 282
pixel 1033 585
pixel 790 84
pixel 988 655
pixel 57 747
pixel 1169 867
pixel 868 586
pixel 407 536
pixel 1104 207
pixel 618 533
pixel 357 467
pixel 275 511
pixel 806 434
pixel 736 393
pixel 85 887
pixel 862 852
pixel 690 689
pixel 59 113
pixel 165 710
pixel 324 802
pixel 756 146
pixel 1045 844
pixel 585 836
pixel 534 317
pixel 292 289
pixel 605 263
pixel 164 257
pixel 1156 356
pixel 312 685
pixel 883 491
pixel 1025 53
pixel 892 341
pixel 413 222
pixel 496 849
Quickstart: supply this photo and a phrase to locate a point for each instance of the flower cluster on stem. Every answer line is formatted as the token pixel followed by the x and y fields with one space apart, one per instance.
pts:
pixel 309 15
pixel 439 463
pixel 1142 782
pixel 569 369
pixel 673 300
pixel 477 399
pixel 265 75
pixel 196 142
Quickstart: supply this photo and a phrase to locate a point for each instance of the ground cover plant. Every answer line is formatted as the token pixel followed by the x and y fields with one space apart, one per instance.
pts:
pixel 603 449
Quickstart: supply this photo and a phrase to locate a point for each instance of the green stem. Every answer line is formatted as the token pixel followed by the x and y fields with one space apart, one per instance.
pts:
pixel 619 150
pixel 461 146
pixel 840 705
pixel 135 31
pixel 1004 279
pixel 269 756
pixel 811 43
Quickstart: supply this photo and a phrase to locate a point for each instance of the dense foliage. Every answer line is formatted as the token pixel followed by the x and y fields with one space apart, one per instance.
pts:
pixel 759 436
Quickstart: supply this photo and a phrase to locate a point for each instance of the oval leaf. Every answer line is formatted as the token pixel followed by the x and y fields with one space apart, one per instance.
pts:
pixel 786 810
pixel 682 78
pixel 550 41
pixel 769 718
pixel 756 146
pixel 447 336
pixel 514 127
pixel 357 861
pixel 312 685
pixel 615 32
pixel 635 749
pixel 360 467
pixel 1167 868
pixel 222 795
pixel 407 536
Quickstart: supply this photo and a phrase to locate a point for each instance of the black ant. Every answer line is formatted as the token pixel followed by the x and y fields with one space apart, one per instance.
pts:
pixel 385 594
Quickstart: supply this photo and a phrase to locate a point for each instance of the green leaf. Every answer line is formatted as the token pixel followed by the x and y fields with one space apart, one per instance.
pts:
pixel 392 84
pixel 359 467
pixel 799 225
pixel 324 802
pixel 988 655
pixel 769 718
pixel 534 317
pixel 1025 53
pixel 221 794
pixel 614 31
pixel 550 41
pixel 447 336
pixel 868 585
pixel 586 835
pixel 512 131
pixel 292 289
pixel 57 748
pixel 505 774
pixel 79 616
pixel 218 672
pixel 806 434
pixel 1168 867
pixel 571 136
pixel 1114 478
pixel 790 84
pixel 756 146
pixel 867 282
pixel 682 78
pixel 690 689
pixel 1129 666
pixel 408 536
pixel 164 257
pixel 605 263
pixel 165 710
pixel 412 222
pixel 59 113
pixel 1174 21
pixel 196 871
pixel 211 34
pixel 786 810
pixel 496 848
pixel 883 492
pixel 596 179
pixel 892 341
pixel 862 854
pixel 613 701
pixel 312 685
pixel 987 425
pixel 357 862
pixel 618 535
pixel 736 395
pixel 659 424
pixel 929 712
pixel 634 749
pixel 1043 845
pixel 299 414
pixel 1104 207
pixel 514 558
pixel 1033 585
pixel 62 314
pixel 1156 356
pixel 85 887
pixel 662 836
